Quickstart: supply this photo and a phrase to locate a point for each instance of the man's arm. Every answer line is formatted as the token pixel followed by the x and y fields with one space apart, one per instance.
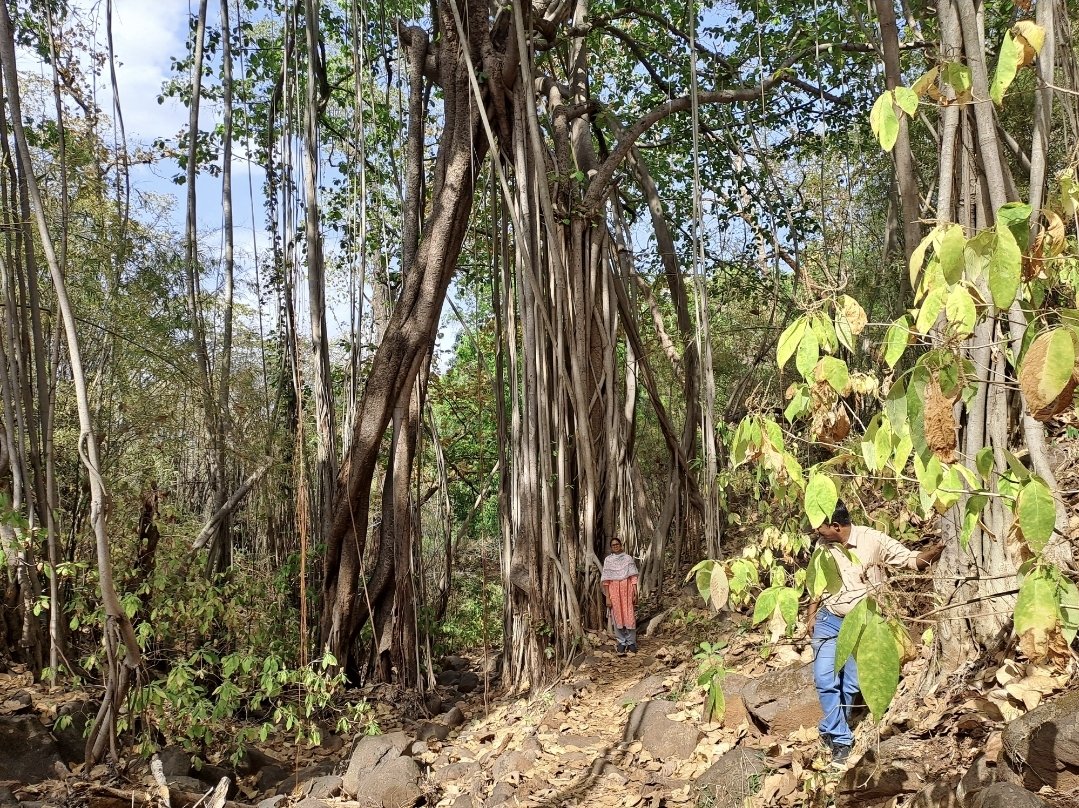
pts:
pixel 811 616
pixel 927 556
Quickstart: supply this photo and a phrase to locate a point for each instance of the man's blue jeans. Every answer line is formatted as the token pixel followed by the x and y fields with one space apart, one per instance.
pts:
pixel 835 691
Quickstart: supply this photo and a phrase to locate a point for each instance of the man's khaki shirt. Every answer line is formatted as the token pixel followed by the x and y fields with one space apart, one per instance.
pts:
pixel 873 550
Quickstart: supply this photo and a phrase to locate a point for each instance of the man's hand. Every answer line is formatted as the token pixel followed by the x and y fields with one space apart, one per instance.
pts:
pixel 927 556
pixel 811 618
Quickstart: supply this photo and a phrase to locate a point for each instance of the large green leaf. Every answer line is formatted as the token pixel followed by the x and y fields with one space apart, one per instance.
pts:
pixel 972 513
pixel 930 309
pixel 835 372
pixel 877 656
pixel 1011 55
pixel 766 604
pixel 1005 268
pixel 719 589
pixel 808 353
pixel 787 601
pixel 1016 217
pixel 789 341
pixel 1036 511
pixel 850 632
pixel 950 252
pixel 884 122
pixel 896 340
pixel 960 311
pixel 957 75
pixel 702 574
pixel 821 497
pixel 1037 606
pixel 907 100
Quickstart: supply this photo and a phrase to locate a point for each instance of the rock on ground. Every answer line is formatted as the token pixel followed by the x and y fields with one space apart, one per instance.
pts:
pixel 28 753
pixel 1007 795
pixel 896 767
pixel 1042 747
pixel 784 701
pixel 381 774
pixel 658 734
pixel 727 782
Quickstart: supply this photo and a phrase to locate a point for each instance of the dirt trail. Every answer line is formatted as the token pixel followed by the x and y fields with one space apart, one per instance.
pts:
pixel 575 744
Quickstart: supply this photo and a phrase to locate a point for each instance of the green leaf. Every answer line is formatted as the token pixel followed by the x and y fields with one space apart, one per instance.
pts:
pixel 903 448
pixel 808 353
pixel 984 461
pixel 884 122
pixel 950 253
pixel 1037 606
pixel 960 311
pixel 1011 54
pixel 1016 217
pixel 1069 610
pixel 787 602
pixel 1037 513
pixel 907 100
pixel 789 341
pixel 896 340
pixel 917 258
pixel 877 656
pixel 956 75
pixel 835 372
pixel 766 604
pixel 850 632
pixel 930 309
pixel 704 579
pixel 821 497
pixel 971 514
pixel 825 331
pixel 1005 268
pixel 799 403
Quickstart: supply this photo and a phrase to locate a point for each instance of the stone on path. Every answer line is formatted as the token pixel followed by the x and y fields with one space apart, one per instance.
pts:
pixel 1007 795
pixel 1042 747
pixel 658 734
pixel 728 781
pixel 783 701
pixel 29 753
pixel 381 774
pixel 647 688
pixel 893 768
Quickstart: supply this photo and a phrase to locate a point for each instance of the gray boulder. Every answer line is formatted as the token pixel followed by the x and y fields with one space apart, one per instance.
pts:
pixel 1041 748
pixel 727 782
pixel 1007 795
pixel 783 701
pixel 894 768
pixel 658 734
pixel 30 753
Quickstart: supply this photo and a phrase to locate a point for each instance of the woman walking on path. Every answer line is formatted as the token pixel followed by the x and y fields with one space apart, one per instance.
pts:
pixel 619 582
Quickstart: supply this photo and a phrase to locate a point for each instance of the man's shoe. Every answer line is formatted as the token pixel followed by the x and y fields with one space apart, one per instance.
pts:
pixel 840 754
pixel 826 743
pixel 632 648
pixel 620 650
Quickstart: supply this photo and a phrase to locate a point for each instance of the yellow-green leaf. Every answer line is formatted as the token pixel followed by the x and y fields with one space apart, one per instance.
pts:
pixel 884 122
pixel 1048 366
pixel 960 311
pixel 1037 513
pixel 834 371
pixel 896 340
pixel 877 656
pixel 950 252
pixel 907 100
pixel 1011 55
pixel 930 309
pixel 1069 610
pixel 808 353
pixel 917 258
pixel 789 341
pixel 1031 38
pixel 1037 606
pixel 1005 268
pixel 821 497
pixel 957 76
pixel 719 589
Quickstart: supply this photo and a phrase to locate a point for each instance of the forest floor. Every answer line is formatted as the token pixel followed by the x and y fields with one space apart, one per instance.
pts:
pixel 629 731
